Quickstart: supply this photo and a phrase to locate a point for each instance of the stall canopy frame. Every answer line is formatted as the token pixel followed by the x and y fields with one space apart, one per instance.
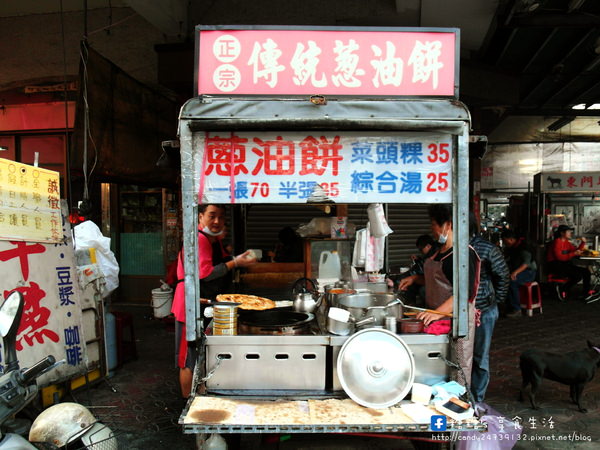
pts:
pixel 238 114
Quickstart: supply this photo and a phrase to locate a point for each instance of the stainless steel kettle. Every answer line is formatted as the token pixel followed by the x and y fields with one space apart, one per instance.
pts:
pixel 307 302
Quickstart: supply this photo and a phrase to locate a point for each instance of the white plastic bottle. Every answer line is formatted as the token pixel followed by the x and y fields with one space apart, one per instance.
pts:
pixel 329 265
pixel 215 442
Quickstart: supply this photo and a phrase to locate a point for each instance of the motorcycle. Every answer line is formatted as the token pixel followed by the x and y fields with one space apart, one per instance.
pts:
pixel 60 425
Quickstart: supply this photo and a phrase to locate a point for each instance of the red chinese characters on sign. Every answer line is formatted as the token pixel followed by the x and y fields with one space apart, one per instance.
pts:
pixel 300 62
pixel 22 251
pixel 275 157
pixel 228 156
pixel 35 318
pixel 225 155
pixel 570 181
pixel 318 154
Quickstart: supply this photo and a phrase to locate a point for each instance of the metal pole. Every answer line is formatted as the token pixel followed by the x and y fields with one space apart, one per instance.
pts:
pixel 528 208
pixel 189 202
pixel 460 225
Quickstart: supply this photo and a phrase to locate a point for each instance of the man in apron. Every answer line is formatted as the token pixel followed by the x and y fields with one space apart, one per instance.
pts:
pixel 438 286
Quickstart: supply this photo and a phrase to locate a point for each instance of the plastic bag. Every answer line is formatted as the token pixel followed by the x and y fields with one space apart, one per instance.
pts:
pixel 88 235
pixel 379 226
pixel 502 433
pixel 375 252
pixel 317 226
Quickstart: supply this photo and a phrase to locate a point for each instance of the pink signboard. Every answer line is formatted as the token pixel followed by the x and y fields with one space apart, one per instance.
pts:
pixel 326 62
pixel 570 182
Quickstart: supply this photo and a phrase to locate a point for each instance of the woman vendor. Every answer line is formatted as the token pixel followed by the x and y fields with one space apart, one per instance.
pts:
pixel 438 279
pixel 215 266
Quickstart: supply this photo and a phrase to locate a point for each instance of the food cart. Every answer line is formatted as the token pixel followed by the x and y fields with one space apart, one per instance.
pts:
pixel 249 137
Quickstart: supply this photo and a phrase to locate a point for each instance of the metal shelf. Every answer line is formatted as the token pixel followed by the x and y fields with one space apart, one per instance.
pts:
pixel 392 428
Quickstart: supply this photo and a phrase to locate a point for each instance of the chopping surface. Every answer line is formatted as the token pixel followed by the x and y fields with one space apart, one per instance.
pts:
pixel 225 411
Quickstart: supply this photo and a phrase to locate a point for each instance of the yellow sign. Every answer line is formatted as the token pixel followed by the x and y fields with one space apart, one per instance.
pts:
pixel 29 203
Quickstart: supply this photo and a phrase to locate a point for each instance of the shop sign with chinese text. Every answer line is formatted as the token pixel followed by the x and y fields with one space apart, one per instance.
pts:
pixel 52 319
pixel 29 203
pixel 566 182
pixel 301 167
pixel 367 62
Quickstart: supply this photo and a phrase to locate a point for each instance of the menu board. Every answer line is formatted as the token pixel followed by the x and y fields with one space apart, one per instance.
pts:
pixel 29 203
pixel 340 167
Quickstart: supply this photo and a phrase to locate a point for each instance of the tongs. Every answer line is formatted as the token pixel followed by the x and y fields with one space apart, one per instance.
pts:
pixel 424 309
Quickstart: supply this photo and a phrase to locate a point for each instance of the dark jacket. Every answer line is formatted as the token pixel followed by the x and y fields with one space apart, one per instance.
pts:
pixel 494 277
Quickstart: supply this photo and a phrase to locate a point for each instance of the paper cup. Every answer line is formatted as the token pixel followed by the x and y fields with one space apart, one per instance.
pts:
pixel 255 252
pixel 421 393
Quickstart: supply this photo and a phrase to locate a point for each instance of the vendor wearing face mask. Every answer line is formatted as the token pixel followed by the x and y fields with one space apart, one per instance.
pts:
pixel 215 266
pixel 438 282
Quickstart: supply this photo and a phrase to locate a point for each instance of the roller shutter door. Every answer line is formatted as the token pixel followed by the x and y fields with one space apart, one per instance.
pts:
pixel 264 222
pixel 408 221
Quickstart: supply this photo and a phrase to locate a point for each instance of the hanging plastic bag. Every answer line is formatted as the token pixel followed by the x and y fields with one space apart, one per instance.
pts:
pixel 502 433
pixel 359 255
pixel 379 226
pixel 375 251
pixel 88 235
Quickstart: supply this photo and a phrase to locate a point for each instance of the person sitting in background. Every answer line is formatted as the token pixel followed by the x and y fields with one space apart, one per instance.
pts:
pixel 560 263
pixel 522 267
pixel 427 248
pixel 289 247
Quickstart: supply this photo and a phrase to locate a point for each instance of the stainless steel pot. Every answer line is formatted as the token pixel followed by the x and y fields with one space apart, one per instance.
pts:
pixel 344 325
pixel 366 304
pixel 333 291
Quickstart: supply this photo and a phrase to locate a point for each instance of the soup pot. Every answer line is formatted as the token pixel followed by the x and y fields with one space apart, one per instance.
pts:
pixel 333 291
pixel 367 304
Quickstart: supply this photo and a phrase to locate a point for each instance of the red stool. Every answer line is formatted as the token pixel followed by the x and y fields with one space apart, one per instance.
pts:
pixel 126 349
pixel 556 282
pixel 526 296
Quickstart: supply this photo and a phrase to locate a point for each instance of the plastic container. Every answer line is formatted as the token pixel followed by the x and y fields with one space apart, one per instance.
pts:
pixel 330 266
pixel 110 330
pixel 214 442
pixel 162 299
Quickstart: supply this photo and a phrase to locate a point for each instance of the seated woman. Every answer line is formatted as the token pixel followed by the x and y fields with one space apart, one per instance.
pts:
pixel 522 267
pixel 560 264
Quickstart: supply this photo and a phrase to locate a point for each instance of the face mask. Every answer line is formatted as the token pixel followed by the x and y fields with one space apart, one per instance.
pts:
pixel 443 238
pixel 212 233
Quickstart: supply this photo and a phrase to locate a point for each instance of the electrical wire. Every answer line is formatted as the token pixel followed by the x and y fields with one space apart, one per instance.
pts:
pixel 66 101
pixel 86 124
pixel 109 26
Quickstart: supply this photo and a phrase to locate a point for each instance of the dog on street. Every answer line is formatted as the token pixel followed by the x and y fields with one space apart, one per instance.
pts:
pixel 574 369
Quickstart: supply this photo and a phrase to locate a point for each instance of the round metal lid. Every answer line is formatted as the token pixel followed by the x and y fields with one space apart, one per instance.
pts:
pixel 376 368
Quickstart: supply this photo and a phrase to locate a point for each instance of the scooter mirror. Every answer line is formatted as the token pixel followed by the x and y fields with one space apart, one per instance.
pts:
pixel 9 311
